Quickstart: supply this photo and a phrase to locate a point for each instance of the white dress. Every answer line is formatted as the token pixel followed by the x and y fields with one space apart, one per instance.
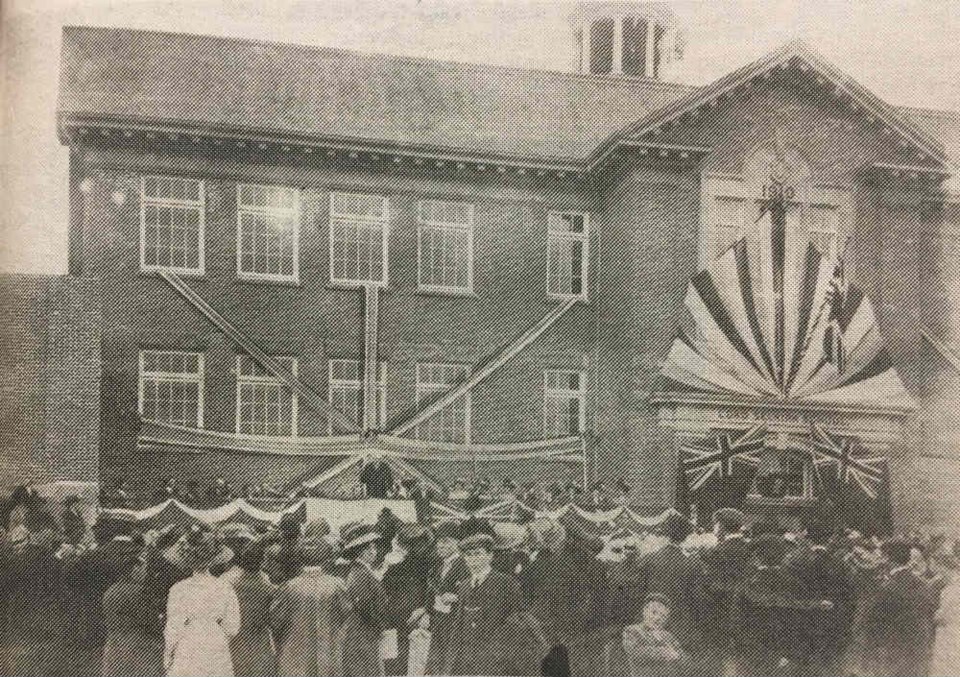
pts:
pixel 202 615
pixel 946 645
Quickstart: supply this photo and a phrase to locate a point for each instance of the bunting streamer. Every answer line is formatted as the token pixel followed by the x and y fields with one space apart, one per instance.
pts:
pixel 772 318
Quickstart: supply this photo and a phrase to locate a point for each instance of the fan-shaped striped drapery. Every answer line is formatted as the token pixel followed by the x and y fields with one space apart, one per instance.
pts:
pixel 773 318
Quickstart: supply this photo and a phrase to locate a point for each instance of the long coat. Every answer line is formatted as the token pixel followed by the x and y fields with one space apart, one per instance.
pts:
pixel 440 622
pixel 367 609
pixel 306 616
pixel 946 645
pixel 476 644
pixel 407 585
pixel 252 647
pixel 134 646
pixel 202 616
pixel 899 627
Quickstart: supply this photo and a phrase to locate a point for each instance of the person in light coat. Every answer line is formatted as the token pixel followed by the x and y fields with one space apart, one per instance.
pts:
pixel 203 613
pixel 307 615
pixel 946 643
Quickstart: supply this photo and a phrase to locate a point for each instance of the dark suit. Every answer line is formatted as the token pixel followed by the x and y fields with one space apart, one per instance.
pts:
pixel 669 571
pixel 378 478
pixel 768 620
pixel 367 611
pixel 408 588
pixel 440 623
pixel 477 644
pixel 899 626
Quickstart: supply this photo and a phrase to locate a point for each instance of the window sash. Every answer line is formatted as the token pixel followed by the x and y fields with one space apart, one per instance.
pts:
pixel 445 245
pixel 268 232
pixel 172 228
pixel 452 423
pixel 568 256
pixel 164 394
pixel 265 405
pixel 564 408
pixel 358 239
pixel 346 394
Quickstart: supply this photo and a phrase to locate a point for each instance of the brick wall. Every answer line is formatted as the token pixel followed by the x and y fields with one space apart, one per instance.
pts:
pixel 50 383
pixel 316 321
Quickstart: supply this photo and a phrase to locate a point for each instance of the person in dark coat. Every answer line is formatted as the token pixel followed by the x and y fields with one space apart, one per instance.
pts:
pixel 818 574
pixel 281 560
pixel 899 623
pixel 447 571
pixel 377 478
pixel 367 604
pixel 33 619
pixel 476 644
pixel 74 526
pixel 134 642
pixel 681 579
pixel 407 584
pixel 727 567
pixel 252 649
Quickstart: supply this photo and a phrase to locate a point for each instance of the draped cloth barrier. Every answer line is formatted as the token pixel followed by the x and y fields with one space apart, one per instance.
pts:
pixel 337 513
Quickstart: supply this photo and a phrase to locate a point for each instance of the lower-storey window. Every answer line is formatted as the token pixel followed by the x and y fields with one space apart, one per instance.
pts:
pixel 346 391
pixel 265 406
pixel 564 403
pixel 452 423
pixel 171 387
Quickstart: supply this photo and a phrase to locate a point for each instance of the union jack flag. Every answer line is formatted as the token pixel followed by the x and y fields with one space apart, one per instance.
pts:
pixel 828 449
pixel 700 464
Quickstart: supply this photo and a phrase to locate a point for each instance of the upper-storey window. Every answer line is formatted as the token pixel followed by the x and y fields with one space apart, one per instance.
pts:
pixel 822 226
pixel 171 387
pixel 445 245
pixel 346 391
pixel 265 406
pixel 358 238
pixel 171 224
pixel 564 402
pixel 567 254
pixel 728 220
pixel 452 423
pixel 268 224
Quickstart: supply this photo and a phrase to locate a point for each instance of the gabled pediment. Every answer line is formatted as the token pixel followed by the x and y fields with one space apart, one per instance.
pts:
pixel 793 60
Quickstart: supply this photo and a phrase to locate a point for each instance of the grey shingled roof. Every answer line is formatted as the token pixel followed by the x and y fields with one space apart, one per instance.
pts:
pixel 943 125
pixel 207 82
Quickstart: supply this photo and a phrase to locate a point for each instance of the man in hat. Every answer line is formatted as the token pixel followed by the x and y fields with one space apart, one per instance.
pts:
pixel 407 584
pixel 74 526
pixel 728 566
pixel 485 601
pixel 898 624
pixel 672 572
pixel 281 558
pixel 377 477
pixel 367 603
pixel 307 614
pixel 449 569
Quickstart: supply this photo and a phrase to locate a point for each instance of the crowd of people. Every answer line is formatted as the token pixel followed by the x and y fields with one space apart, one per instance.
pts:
pixel 469 598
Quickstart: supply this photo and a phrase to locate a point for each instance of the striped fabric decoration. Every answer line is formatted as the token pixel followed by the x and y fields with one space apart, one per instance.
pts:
pixel 772 318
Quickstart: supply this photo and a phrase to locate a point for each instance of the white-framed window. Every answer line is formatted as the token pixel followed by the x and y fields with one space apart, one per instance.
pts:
pixel 358 238
pixel 265 406
pixel 564 402
pixel 171 387
pixel 728 216
pixel 346 390
pixel 822 227
pixel 171 224
pixel 445 245
pixel 567 254
pixel 268 228
pixel 452 423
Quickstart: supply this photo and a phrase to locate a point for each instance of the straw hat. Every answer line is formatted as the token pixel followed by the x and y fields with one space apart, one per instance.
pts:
pixel 355 536
pixel 508 536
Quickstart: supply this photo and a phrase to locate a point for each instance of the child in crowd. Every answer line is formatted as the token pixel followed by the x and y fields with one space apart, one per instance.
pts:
pixel 647 649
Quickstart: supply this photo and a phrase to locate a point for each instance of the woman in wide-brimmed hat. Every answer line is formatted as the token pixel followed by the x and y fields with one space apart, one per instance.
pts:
pixel 367 603
pixel 202 611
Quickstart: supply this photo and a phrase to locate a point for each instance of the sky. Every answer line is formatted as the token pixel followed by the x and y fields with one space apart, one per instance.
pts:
pixel 906 51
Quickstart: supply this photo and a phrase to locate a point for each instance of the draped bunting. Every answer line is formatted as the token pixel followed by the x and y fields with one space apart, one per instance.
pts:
pixel 772 318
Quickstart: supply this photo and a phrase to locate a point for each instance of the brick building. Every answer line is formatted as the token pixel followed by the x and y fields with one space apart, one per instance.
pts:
pixel 307 255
